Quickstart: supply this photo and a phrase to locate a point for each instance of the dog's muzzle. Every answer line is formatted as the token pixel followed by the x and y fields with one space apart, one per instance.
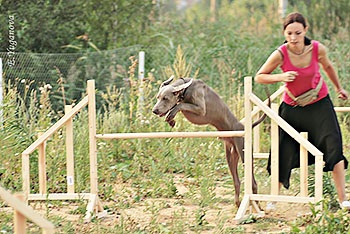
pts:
pixel 156 111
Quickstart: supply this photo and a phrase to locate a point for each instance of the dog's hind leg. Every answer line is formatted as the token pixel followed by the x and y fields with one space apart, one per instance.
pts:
pixel 232 158
pixel 239 144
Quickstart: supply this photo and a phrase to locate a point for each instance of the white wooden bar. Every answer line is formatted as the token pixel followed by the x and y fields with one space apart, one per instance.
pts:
pixel 273 96
pixel 69 152
pixel 319 180
pixel 248 162
pixel 242 209
pixel 19 220
pixel 285 126
pixel 303 168
pixel 256 137
pixel 342 109
pixel 274 154
pixel 94 202
pixel 282 198
pixel 261 155
pixel 25 175
pixel 56 126
pixel 58 196
pixel 170 135
pixel 42 167
pixel 92 136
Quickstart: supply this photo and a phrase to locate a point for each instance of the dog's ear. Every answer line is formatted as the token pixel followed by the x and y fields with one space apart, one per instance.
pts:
pixel 179 88
pixel 167 81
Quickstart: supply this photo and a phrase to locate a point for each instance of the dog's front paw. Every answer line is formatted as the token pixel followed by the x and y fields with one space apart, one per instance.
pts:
pixel 171 115
pixel 171 123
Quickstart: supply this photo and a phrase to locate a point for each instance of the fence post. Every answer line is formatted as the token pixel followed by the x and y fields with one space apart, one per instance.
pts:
pixel 141 76
pixel 282 8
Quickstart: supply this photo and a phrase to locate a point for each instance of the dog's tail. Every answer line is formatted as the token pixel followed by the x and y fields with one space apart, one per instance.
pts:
pixel 262 118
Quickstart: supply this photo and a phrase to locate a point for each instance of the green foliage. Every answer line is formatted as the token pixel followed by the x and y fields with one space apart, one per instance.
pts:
pixel 42 26
pixel 325 17
pixel 323 221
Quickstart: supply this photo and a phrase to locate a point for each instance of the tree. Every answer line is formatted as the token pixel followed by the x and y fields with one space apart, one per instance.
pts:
pixel 41 26
pixel 47 25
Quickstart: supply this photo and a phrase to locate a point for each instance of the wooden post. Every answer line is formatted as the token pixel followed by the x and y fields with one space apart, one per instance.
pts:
pixel 319 178
pixel 212 10
pixel 23 212
pixel 256 135
pixel 303 168
pixel 19 220
pixel 92 136
pixel 282 8
pixel 1 94
pixel 69 151
pixel 25 175
pixel 94 203
pixel 248 164
pixel 141 76
pixel 42 167
pixel 274 154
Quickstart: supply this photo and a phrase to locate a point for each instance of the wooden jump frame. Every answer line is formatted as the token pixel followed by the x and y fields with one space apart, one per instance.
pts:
pixel 250 198
pixel 23 212
pixel 94 205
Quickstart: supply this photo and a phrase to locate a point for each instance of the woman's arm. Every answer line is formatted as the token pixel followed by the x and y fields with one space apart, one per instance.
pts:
pixel 330 71
pixel 264 75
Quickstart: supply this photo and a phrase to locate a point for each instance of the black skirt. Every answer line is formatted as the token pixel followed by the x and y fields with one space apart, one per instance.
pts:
pixel 319 120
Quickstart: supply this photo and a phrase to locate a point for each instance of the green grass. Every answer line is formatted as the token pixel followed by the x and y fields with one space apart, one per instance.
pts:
pixel 178 185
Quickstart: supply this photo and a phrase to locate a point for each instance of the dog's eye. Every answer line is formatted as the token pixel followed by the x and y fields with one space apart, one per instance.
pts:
pixel 165 98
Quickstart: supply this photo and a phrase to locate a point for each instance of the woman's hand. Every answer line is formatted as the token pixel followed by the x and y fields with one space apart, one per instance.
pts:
pixel 289 76
pixel 342 94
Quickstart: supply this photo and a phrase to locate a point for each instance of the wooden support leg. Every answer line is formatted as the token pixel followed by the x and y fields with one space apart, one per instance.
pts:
pixel 274 155
pixel 94 207
pixel 19 219
pixel 303 169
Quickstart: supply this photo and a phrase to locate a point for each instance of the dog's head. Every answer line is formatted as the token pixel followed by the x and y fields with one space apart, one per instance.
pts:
pixel 168 96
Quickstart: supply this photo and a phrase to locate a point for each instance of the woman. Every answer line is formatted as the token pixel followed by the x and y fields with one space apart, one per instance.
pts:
pixel 299 59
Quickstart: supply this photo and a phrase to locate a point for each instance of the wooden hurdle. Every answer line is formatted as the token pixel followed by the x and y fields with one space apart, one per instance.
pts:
pixel 22 212
pixel 249 198
pixel 94 205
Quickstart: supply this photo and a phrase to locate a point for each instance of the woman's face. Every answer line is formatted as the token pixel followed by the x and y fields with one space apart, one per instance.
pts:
pixel 294 34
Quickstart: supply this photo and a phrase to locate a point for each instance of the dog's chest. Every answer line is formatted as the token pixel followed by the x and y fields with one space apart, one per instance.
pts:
pixel 194 118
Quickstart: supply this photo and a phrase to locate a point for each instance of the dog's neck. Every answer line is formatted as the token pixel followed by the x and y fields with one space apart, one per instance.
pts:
pixel 181 96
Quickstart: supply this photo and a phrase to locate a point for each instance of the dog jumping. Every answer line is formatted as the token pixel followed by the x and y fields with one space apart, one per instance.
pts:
pixel 201 105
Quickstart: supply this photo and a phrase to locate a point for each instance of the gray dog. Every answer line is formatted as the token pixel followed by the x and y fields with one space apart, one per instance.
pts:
pixel 201 105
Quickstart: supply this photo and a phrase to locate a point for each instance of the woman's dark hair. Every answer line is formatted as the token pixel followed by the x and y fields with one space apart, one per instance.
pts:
pixel 294 17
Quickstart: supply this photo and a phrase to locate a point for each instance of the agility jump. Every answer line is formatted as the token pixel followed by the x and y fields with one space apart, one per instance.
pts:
pixel 94 206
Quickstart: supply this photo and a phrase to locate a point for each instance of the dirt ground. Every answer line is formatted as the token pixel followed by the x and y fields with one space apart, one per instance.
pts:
pixel 164 211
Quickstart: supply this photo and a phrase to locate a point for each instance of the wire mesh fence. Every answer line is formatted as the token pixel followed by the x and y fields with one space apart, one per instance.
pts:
pixel 67 73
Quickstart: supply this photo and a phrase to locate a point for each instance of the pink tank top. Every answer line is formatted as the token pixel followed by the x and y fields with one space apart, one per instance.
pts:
pixel 308 77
